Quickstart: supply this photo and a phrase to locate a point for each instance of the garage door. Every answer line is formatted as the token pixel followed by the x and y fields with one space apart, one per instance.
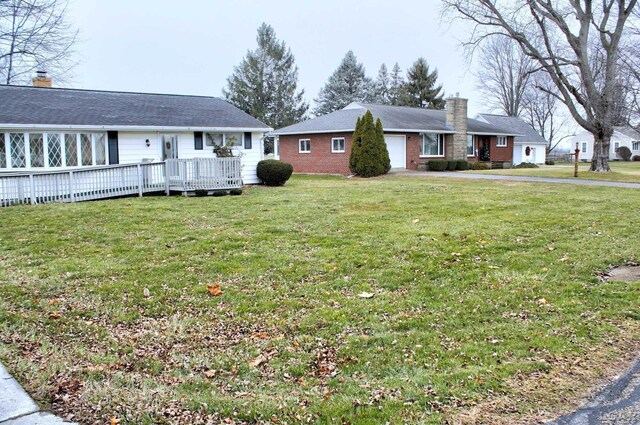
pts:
pixel 397 148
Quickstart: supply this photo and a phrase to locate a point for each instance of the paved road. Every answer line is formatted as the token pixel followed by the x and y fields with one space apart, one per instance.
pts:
pixel 463 175
pixel 618 404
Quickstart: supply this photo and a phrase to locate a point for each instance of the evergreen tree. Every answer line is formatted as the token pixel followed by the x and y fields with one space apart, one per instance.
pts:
pixel 420 90
pixel 347 84
pixel 265 83
pixel 382 86
pixel 369 155
pixel 396 85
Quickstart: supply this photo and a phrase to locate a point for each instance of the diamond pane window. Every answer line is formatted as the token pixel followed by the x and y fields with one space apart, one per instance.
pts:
pixel 17 150
pixel 36 148
pixel 71 150
pixel 3 152
pixel 55 150
pixel 101 156
pixel 86 150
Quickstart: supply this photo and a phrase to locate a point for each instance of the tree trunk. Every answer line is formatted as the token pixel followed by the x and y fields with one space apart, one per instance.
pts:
pixel 600 158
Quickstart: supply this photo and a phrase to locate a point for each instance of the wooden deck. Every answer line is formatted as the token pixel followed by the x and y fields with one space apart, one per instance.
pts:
pixel 91 183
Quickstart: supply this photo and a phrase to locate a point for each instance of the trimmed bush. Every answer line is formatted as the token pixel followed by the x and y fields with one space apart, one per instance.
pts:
pixel 273 172
pixel 462 165
pixel 478 166
pixel 451 165
pixel 624 153
pixel 636 157
pixel 437 165
pixel 526 165
pixel 201 192
pixel 550 162
pixel 219 193
pixel 235 192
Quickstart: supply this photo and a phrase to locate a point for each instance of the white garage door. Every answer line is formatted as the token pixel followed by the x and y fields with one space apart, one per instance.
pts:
pixel 397 148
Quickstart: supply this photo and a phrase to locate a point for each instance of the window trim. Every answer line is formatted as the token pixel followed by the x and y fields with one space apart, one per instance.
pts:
pixel 499 139
pixel 635 145
pixel 585 145
pixel 473 146
pixel 440 141
pixel 344 148
pixel 300 150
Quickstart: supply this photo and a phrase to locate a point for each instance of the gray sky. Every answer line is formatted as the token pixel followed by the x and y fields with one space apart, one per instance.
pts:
pixel 192 46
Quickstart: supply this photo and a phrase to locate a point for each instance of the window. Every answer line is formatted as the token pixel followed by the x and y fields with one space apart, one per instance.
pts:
pixel 337 145
pixel 224 139
pixel 17 150
pixel 616 146
pixel 501 142
pixel 55 150
pixel 86 149
pixel 36 149
pixel 470 147
pixel 584 147
pixel 304 146
pixel 71 149
pixel 635 146
pixel 3 152
pixel 432 144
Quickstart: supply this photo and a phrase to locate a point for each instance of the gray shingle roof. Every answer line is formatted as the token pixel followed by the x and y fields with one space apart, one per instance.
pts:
pixel 528 135
pixel 628 131
pixel 394 118
pixel 72 107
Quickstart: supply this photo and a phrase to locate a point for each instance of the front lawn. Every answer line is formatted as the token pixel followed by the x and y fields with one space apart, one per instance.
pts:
pixel 620 171
pixel 328 300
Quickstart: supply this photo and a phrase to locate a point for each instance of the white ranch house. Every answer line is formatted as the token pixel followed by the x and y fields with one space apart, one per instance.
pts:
pixel 622 136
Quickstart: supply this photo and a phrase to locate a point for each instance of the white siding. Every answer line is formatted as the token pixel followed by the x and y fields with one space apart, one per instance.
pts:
pixel 618 137
pixel 539 156
pixel 132 147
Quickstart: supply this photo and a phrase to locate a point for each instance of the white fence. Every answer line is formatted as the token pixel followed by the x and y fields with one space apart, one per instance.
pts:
pixel 84 184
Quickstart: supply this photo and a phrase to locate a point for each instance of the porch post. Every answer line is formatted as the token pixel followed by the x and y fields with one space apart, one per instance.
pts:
pixel 139 168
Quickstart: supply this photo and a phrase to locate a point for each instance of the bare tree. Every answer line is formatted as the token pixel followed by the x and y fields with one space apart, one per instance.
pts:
pixel 34 35
pixel 542 110
pixel 503 74
pixel 557 36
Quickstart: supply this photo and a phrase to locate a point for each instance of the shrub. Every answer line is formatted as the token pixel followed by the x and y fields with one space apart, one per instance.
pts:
pixel 526 165
pixel 550 162
pixel 201 192
pixel 219 193
pixel 369 155
pixel 624 153
pixel 462 165
pixel 478 165
pixel 235 192
pixel 437 165
pixel 636 157
pixel 451 165
pixel 273 172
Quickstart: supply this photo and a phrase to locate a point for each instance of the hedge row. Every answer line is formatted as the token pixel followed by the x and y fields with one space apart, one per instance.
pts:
pixel 443 165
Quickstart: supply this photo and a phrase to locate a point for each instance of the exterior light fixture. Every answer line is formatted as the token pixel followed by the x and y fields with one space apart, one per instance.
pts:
pixel 147 142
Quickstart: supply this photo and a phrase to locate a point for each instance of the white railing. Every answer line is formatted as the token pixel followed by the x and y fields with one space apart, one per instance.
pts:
pixel 187 175
pixel 84 184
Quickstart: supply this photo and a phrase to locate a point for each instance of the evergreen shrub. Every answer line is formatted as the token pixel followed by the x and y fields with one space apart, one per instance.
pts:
pixel 636 157
pixel 462 165
pixel 437 165
pixel 273 172
pixel 451 165
pixel 526 165
pixel 478 166
pixel 369 155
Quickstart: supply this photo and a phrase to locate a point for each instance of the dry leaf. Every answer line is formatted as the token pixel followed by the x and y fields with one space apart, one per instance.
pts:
pixel 214 290
pixel 551 248
pixel 114 421
pixel 209 373
pixel 55 315
pixel 258 361
pixel 542 302
pixel 416 220
pixel 365 295
pixel 146 292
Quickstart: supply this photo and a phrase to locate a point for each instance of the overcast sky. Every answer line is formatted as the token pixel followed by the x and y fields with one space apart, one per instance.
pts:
pixel 192 46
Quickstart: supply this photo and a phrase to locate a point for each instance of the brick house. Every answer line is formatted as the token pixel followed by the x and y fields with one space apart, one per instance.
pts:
pixel 413 136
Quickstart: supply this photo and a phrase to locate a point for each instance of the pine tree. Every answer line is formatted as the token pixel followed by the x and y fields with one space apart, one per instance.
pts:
pixel 265 83
pixel 369 155
pixel 420 90
pixel 347 84
pixel 382 86
pixel 396 85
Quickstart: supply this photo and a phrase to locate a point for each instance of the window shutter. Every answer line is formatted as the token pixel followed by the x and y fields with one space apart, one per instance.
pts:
pixel 197 140
pixel 112 140
pixel 247 140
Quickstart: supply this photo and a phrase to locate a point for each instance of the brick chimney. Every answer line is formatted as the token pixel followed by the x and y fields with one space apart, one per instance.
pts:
pixel 456 144
pixel 41 79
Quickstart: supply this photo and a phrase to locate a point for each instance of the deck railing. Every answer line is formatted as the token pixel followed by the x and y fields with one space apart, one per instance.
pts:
pixel 84 184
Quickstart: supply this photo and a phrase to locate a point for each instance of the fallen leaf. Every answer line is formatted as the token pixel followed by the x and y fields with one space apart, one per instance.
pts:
pixel 416 220
pixel 114 421
pixel 365 295
pixel 542 302
pixel 551 248
pixel 214 290
pixel 209 373
pixel 258 361
pixel 146 292
pixel 55 315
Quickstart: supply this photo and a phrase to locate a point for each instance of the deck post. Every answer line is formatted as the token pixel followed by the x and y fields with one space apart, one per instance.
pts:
pixel 139 180
pixel 32 189
pixel 72 197
pixel 20 191
pixel 167 186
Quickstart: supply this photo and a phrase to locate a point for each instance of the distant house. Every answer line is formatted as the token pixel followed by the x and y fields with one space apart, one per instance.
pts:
pixel 529 146
pixel 622 136
pixel 44 128
pixel 413 137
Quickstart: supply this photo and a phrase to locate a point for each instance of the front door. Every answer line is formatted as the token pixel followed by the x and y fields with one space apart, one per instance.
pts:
pixel 397 148
pixel 485 149
pixel 169 146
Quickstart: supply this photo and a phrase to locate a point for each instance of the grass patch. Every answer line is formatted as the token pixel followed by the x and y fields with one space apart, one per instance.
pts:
pixel 620 172
pixel 474 283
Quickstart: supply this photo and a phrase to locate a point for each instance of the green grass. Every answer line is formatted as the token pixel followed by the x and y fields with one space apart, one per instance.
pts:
pixel 459 271
pixel 620 172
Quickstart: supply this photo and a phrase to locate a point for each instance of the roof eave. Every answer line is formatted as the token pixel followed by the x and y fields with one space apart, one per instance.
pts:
pixel 129 128
pixel 386 130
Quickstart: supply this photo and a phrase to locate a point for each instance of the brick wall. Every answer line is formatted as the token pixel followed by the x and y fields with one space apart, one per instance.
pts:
pixel 501 153
pixel 320 159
